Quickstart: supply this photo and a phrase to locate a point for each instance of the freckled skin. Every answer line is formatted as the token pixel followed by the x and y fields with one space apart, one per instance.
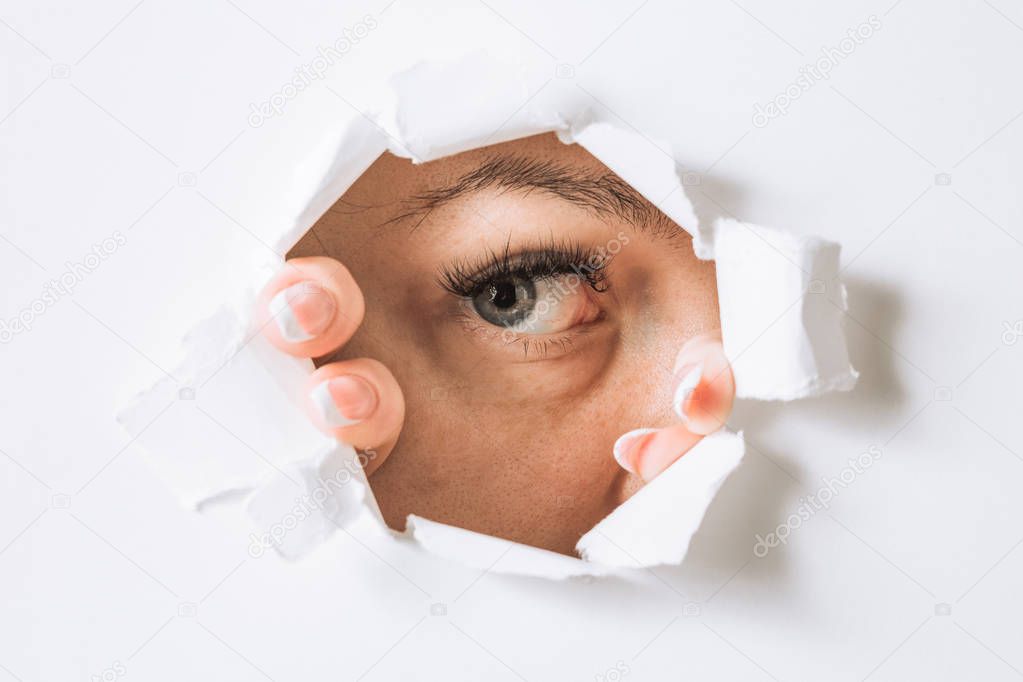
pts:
pixel 494 440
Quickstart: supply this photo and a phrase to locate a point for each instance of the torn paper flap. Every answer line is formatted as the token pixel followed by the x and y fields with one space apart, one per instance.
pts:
pixel 781 303
pixel 295 512
pixel 229 416
pixel 496 555
pixel 655 525
pixel 427 118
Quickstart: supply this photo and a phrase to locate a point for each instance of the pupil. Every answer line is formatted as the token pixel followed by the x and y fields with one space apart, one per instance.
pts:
pixel 502 295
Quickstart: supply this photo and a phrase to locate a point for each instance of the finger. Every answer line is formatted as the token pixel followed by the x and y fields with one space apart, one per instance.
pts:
pixel 311 307
pixel 704 385
pixel 358 402
pixel 648 452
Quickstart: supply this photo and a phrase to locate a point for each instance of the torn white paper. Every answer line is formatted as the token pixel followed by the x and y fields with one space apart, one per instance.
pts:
pixel 496 555
pixel 655 525
pixel 781 310
pixel 782 304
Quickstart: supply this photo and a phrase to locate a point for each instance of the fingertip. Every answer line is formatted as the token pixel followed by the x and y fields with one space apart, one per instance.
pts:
pixel 705 387
pixel 358 402
pixel 311 307
pixel 343 400
pixel 302 311
pixel 626 447
pixel 662 449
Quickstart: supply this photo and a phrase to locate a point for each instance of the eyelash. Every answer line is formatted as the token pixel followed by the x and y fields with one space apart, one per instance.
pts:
pixel 468 278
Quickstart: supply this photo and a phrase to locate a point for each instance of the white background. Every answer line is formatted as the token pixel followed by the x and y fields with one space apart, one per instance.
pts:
pixel 133 117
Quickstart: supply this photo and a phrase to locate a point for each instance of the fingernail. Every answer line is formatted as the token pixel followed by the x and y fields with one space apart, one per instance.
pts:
pixel 686 385
pixel 302 311
pixel 344 400
pixel 625 448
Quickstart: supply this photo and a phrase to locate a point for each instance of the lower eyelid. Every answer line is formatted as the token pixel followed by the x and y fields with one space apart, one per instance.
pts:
pixel 521 347
pixel 543 346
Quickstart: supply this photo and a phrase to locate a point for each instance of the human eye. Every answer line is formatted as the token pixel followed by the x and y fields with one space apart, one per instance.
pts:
pixel 534 292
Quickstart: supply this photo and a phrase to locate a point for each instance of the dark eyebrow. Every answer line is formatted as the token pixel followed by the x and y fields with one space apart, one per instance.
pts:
pixel 602 193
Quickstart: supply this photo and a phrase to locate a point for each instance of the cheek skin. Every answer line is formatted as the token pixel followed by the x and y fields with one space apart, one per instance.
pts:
pixel 528 480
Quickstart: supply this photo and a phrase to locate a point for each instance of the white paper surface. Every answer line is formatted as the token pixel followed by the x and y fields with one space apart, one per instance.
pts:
pixel 910 575
pixel 431 108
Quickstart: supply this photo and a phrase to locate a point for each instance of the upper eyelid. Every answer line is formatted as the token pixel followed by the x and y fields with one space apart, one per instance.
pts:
pixel 464 277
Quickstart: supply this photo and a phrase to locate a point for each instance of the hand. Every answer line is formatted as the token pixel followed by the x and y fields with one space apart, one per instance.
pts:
pixel 310 309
